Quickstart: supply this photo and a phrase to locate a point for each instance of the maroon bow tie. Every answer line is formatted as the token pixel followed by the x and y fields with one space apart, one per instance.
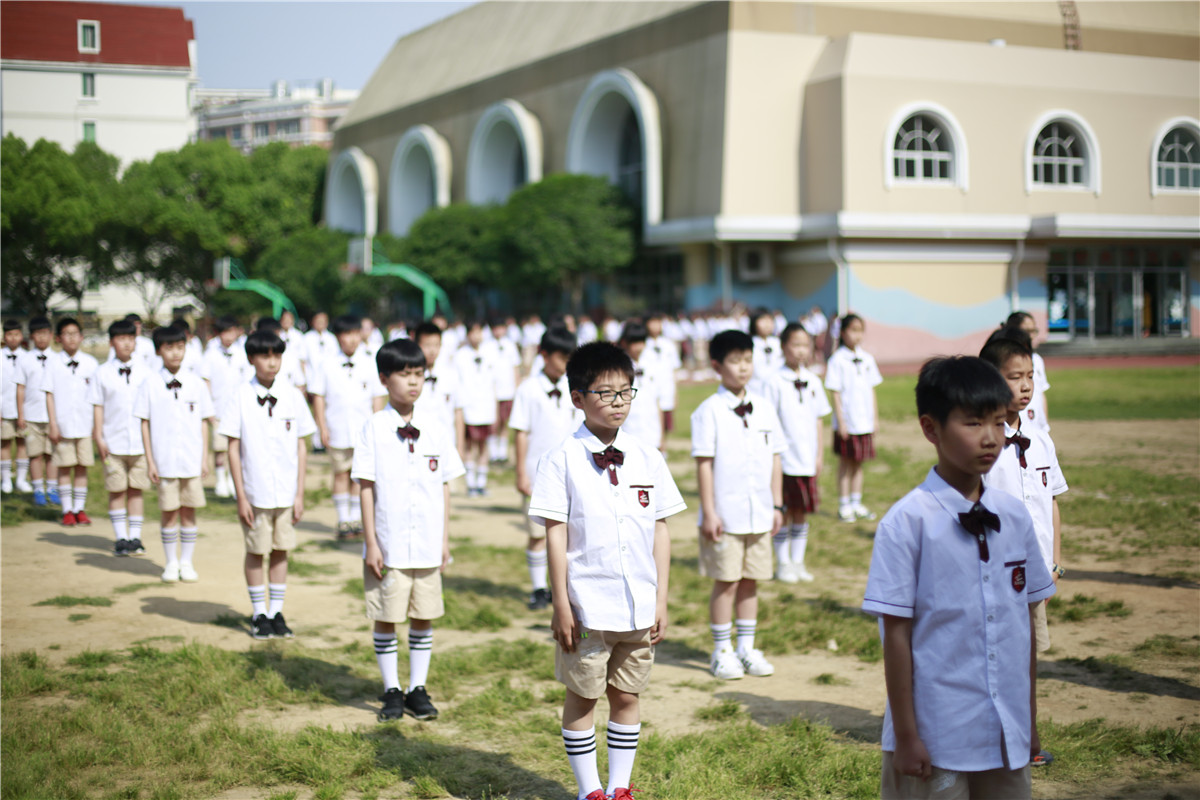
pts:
pixel 637 373
pixel 126 371
pixel 609 458
pixel 431 379
pixel 11 356
pixel 555 393
pixel 410 434
pixel 1022 444
pixel 742 410
pixel 227 353
pixel 768 349
pixel 176 385
pixel 348 364
pixel 977 521
pixel 271 400
pixel 42 357
pixel 73 364
pixel 857 362
pixel 801 386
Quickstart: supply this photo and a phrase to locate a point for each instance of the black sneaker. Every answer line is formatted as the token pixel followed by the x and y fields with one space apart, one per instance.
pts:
pixel 121 547
pixel 133 547
pixel 539 599
pixel 418 705
pixel 260 627
pixel 393 705
pixel 345 531
pixel 281 629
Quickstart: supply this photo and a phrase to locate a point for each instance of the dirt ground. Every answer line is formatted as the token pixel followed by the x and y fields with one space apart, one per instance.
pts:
pixel 42 560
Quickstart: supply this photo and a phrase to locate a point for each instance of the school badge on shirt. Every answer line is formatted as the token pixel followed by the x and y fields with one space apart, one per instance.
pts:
pixel 1018 576
pixel 643 495
pixel 433 464
pixel 287 424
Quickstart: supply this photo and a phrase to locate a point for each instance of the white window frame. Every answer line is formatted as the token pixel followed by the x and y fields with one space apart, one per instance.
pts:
pixel 959 160
pixel 1088 142
pixel 1156 145
pixel 79 26
pixel 84 85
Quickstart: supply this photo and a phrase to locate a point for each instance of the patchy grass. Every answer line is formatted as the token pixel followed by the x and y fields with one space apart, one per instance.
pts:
pixel 1081 607
pixel 67 601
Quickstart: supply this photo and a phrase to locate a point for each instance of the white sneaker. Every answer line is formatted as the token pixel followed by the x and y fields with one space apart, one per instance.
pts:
pixel 862 512
pixel 187 573
pixel 24 486
pixel 727 666
pixel 786 573
pixel 171 573
pixel 804 575
pixel 6 486
pixel 755 663
pixel 846 514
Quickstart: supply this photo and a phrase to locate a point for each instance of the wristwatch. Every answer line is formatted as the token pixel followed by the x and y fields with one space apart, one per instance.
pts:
pixel 781 509
pixel 1057 570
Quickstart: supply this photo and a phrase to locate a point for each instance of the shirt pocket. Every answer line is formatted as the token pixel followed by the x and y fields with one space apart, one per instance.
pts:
pixel 1016 564
pixel 432 470
pixel 642 495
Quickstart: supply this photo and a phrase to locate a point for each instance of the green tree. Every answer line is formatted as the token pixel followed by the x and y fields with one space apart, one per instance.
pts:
pixel 456 245
pixel 307 267
pixel 288 183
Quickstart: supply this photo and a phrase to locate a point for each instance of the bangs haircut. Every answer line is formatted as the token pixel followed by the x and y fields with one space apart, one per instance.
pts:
pixel 261 343
pixel 845 323
pixel 39 324
pixel 791 328
pixel 426 329
pixel 634 331
pixel 558 340
pixel 224 323
pixel 122 327
pixel 1004 344
pixel 166 334
pixel 345 324
pixel 758 314
pixel 268 324
pixel 180 322
pixel 730 341
pixel 399 355
pixel 960 382
pixel 1016 319
pixel 594 359
pixel 11 325
pixel 65 323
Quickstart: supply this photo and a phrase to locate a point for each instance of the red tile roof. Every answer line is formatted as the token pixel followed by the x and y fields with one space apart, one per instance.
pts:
pixel 155 36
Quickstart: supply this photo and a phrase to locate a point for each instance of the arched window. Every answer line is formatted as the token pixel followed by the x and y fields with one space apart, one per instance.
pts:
pixel 505 153
pixel 1062 153
pixel 923 151
pixel 351 194
pixel 419 178
pixel 1177 161
pixel 630 161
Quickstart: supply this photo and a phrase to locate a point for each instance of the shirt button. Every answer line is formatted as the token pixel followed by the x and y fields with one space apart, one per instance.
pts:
pixel 995 695
pixel 986 578
pixel 991 656
pixel 991 617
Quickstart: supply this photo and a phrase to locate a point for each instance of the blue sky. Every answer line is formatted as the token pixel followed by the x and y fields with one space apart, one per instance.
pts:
pixel 247 45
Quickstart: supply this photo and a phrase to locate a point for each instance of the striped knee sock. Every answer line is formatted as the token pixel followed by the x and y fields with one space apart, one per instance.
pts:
pixel 187 544
pixel 798 542
pixel 22 469
pixel 722 636
pixel 780 542
pixel 120 523
pixel 745 634
pixel 622 749
pixel 536 560
pixel 581 754
pixel 169 537
pixel 258 599
pixel 80 495
pixel 135 527
pixel 420 653
pixel 386 650
pixel 276 591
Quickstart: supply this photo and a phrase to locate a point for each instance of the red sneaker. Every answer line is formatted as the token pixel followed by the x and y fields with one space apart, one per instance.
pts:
pixel 621 793
pixel 596 795
pixel 68 520
pixel 81 518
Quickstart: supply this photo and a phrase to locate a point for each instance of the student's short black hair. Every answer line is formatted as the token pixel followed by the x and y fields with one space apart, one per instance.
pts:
pixel 1005 343
pixel 730 341
pixel 345 324
pixel 268 324
pixel 64 323
pixel 1016 319
pixel 634 331
pixel 263 342
pixel 132 317
pixel 167 334
pixel 180 322
pixel 122 327
pixel 789 329
pixel 11 325
pixel 426 329
pixel 39 324
pixel 473 323
pixel 964 382
pixel 846 320
pixel 224 323
pixel 593 360
pixel 558 340
pixel 399 355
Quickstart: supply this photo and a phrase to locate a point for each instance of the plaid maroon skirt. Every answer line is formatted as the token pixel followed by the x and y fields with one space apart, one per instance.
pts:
pixel 856 447
pixel 800 493
pixel 478 433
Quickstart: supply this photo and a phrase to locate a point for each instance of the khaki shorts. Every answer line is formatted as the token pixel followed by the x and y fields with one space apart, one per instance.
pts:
pixel 74 453
pixel 176 493
pixel 736 556
pixel 620 658
pixel 1040 629
pixel 272 531
pixel 342 458
pixel 8 429
pixel 220 442
pixel 37 438
pixel 126 472
pixel 1010 784
pixel 403 594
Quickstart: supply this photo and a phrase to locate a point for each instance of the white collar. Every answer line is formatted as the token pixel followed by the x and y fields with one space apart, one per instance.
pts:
pixel 594 445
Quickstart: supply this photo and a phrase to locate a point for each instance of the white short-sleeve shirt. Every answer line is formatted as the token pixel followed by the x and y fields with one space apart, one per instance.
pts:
pixel 349 385
pixel 34 374
pixel 543 409
pixel 70 381
pixel 854 374
pixel 799 401
pixel 664 354
pixel 115 389
pixel 970 635
pixel 409 476
pixel 507 359
pixel 319 344
pixel 269 439
pixel 8 369
pixel 768 356
pixel 440 395
pixel 1036 484
pixel 743 450
pixel 644 419
pixel 176 418
pixel 476 369
pixel 612 581
pixel 225 369
pixel 1035 413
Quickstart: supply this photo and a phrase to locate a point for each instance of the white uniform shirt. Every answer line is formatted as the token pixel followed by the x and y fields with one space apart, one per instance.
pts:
pixel 116 393
pixel 854 374
pixel 176 421
pixel 225 370
pixel 612 582
pixel 644 418
pixel 970 636
pixel 1036 484
pixel 410 502
pixel 665 354
pixel 349 385
pixel 269 439
pixel 476 375
pixel 295 343
pixel 440 395
pixel 1035 412
pixel 70 387
pixel 318 344
pixel 290 368
pixel 9 365
pixel 588 332
pixel 507 359
pixel 34 374
pixel 799 401
pixel 742 450
pixel 768 356
pixel 548 421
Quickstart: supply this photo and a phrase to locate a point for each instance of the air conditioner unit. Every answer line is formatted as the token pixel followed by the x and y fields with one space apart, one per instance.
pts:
pixel 755 262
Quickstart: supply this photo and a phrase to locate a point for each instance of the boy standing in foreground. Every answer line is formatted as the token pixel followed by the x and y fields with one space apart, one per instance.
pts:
pixel 33 421
pixel 737 443
pixel 957 571
pixel 604 497
pixel 71 419
pixel 265 422
pixel 406 526
pixel 12 447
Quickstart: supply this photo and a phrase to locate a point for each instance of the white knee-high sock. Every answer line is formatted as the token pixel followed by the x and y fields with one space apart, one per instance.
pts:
pixel 120 523
pixel 386 654
pixel 80 494
pixel 169 537
pixel 798 542
pixel 187 544
pixel 420 653
pixel 22 468
pixel 276 591
pixel 536 560
pixel 622 749
pixel 745 634
pixel 780 543
pixel 135 527
pixel 355 508
pixel 341 504
pixel 581 754
pixel 258 600
pixel 722 635
pixel 6 469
